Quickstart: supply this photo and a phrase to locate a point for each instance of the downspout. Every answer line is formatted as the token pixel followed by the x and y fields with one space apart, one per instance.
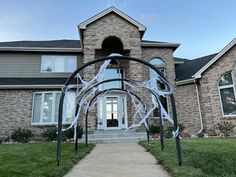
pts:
pixel 199 109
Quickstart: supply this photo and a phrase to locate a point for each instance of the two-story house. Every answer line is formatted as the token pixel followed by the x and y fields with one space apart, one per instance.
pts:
pixel 32 74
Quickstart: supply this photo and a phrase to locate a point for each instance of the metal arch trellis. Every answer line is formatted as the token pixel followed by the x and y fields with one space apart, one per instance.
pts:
pixel 124 90
pixel 150 66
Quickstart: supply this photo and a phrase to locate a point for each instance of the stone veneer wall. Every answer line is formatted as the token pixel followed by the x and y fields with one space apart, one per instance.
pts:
pixel 16 111
pixel 166 54
pixel 94 35
pixel 210 99
pixel 187 107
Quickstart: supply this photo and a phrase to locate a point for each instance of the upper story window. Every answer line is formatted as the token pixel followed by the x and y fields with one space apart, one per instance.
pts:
pixel 227 94
pixel 160 64
pixel 112 73
pixel 57 63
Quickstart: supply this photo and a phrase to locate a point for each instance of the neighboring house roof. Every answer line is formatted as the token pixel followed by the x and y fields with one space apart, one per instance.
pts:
pixel 186 70
pixel 50 45
pixel 213 60
pixel 33 82
pixel 84 24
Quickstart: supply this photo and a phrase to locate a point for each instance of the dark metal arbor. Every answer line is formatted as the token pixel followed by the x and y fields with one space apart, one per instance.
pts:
pixel 121 90
pixel 166 83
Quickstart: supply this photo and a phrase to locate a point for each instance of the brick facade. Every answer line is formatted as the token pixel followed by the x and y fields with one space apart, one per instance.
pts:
pixel 187 107
pixel 209 94
pixel 16 111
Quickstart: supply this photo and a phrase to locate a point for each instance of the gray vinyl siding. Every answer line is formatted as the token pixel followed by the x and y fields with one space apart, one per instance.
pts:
pixel 28 65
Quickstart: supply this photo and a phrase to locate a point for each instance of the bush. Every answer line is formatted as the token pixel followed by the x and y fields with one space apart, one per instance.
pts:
pixel 154 129
pixel 22 135
pixel 70 133
pixel 200 135
pixel 50 134
pixel 170 129
pixel 1 140
pixel 226 128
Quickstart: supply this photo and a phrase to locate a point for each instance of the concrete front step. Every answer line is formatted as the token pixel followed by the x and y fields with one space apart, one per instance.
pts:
pixel 115 136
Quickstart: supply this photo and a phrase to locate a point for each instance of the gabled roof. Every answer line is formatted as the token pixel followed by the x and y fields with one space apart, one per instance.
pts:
pixel 50 45
pixel 84 24
pixel 214 59
pixel 190 67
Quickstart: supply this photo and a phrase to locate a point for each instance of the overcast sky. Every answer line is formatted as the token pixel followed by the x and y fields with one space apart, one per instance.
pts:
pixel 201 26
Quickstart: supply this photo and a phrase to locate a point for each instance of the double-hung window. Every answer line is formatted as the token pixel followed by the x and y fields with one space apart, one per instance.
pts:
pixel 227 95
pixel 46 105
pixel 58 63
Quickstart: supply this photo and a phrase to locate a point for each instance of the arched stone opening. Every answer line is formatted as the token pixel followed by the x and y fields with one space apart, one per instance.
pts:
pixel 111 44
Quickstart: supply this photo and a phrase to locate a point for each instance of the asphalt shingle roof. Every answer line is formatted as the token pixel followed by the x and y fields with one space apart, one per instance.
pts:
pixel 190 67
pixel 48 44
pixel 34 81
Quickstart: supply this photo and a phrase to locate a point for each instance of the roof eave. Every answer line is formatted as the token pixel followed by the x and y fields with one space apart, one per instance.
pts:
pixel 165 45
pixel 186 81
pixel 40 49
pixel 29 86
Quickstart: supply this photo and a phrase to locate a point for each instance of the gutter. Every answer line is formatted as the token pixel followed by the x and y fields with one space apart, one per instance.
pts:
pixel 186 81
pixel 29 86
pixel 199 108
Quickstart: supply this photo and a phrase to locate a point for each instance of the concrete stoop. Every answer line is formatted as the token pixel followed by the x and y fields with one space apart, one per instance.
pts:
pixel 116 136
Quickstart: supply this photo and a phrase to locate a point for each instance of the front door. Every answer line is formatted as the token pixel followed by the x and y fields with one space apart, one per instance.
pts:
pixel 112 112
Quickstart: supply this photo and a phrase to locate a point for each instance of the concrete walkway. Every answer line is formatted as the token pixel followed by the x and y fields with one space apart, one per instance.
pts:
pixel 118 160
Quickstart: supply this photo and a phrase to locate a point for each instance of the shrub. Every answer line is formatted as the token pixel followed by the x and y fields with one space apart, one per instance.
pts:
pixel 1 140
pixel 70 133
pixel 226 128
pixel 200 135
pixel 170 129
pixel 22 135
pixel 154 129
pixel 50 134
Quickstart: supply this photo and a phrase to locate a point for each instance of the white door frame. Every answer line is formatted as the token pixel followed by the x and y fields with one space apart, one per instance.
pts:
pixel 101 112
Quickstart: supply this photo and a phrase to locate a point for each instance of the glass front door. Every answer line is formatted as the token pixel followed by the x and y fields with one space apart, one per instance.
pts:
pixel 112 112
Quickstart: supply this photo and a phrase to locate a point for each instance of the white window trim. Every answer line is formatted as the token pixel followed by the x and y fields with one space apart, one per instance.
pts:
pixel 41 110
pixel 44 56
pixel 225 87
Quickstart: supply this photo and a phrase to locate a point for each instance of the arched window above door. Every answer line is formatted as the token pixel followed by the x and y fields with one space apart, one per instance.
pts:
pixel 157 62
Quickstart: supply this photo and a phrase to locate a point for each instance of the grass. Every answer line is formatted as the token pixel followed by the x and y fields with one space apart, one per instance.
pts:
pixel 38 159
pixel 202 157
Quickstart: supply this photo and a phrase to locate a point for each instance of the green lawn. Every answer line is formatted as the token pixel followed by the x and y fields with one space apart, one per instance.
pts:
pixel 38 159
pixel 202 157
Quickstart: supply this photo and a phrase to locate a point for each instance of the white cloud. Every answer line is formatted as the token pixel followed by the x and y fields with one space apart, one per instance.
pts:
pixel 151 18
